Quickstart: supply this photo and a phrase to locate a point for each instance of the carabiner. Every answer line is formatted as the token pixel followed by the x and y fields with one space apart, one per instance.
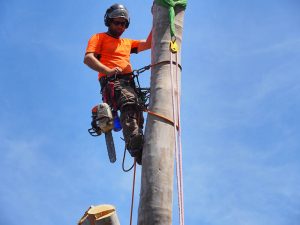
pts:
pixel 135 73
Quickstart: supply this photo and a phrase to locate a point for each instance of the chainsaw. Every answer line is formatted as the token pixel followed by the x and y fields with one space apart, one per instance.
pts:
pixel 104 121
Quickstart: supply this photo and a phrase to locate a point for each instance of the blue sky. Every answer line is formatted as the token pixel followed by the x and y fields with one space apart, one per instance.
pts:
pixel 240 113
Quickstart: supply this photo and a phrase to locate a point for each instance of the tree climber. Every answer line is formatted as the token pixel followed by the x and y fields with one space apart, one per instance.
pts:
pixel 109 55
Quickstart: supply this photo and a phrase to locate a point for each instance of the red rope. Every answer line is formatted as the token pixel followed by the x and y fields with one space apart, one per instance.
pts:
pixel 132 194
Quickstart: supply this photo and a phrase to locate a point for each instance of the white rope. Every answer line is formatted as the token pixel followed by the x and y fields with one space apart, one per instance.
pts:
pixel 179 141
pixel 178 153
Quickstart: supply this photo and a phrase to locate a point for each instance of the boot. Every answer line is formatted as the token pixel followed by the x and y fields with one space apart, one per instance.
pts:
pixel 135 147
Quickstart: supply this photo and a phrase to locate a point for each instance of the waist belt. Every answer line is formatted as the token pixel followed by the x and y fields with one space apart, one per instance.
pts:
pixel 125 76
pixel 103 80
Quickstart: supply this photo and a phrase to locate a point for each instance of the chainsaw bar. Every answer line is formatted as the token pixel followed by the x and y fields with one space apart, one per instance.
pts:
pixel 110 147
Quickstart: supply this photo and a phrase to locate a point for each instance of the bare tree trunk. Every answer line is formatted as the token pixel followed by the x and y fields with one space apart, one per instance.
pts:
pixel 156 198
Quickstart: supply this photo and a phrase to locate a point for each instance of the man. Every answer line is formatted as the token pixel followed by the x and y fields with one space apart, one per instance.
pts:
pixel 109 55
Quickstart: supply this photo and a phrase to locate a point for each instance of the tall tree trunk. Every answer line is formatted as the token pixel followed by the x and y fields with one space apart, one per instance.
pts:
pixel 156 198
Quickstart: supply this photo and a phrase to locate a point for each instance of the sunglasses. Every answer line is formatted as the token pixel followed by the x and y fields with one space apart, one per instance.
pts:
pixel 117 23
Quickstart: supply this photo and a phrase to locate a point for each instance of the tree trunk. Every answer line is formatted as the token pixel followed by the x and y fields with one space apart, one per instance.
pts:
pixel 156 198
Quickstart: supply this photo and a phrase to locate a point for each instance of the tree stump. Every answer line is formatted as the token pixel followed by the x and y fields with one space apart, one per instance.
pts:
pixel 100 215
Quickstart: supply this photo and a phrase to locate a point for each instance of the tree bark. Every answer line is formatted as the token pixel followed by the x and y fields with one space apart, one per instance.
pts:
pixel 156 198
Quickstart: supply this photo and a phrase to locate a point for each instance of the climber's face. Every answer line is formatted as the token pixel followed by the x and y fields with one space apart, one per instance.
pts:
pixel 117 26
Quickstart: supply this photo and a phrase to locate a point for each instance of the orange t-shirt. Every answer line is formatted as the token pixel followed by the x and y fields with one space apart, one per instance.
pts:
pixel 113 52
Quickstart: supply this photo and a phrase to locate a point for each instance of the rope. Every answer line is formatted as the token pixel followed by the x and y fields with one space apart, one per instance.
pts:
pixel 143 69
pixel 180 146
pixel 123 162
pixel 178 153
pixel 133 181
pixel 132 194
